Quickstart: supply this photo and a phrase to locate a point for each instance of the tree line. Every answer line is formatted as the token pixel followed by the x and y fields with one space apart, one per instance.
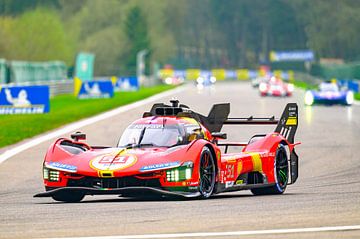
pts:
pixel 184 33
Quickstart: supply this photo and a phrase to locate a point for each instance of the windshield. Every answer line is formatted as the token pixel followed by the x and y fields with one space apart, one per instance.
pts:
pixel 151 135
pixel 329 87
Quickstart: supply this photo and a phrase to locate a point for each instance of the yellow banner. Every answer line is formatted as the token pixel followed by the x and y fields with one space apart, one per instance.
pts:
pixel 220 74
pixel 77 86
pixel 291 76
pixel 164 73
pixel 278 73
pixel 192 74
pixel 242 74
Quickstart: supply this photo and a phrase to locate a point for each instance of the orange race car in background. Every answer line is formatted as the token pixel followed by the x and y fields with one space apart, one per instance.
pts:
pixel 173 150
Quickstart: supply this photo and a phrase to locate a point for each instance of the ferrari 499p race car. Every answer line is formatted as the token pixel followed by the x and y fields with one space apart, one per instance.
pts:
pixel 276 87
pixel 174 151
pixel 329 94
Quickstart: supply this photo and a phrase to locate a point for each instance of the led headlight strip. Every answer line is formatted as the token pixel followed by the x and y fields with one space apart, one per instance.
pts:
pixel 182 173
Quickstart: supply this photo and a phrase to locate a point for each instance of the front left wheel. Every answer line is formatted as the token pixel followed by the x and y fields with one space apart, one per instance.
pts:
pixel 207 171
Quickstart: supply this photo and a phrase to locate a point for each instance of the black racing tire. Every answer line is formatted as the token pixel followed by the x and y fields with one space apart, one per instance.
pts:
pixel 207 173
pixel 281 173
pixel 72 197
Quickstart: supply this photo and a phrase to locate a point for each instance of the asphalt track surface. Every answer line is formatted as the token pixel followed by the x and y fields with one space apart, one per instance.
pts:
pixel 326 194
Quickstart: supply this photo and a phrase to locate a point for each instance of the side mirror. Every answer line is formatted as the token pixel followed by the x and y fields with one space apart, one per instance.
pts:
pixel 78 136
pixel 219 135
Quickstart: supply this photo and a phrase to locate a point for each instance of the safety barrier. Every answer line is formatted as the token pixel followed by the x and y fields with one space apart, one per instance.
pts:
pixel 56 87
pixel 2 71
pixel 222 74
pixel 23 71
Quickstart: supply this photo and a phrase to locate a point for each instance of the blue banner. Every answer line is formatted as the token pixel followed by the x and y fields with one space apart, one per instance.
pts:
pixel 305 55
pixel 130 83
pixel 96 89
pixel 24 100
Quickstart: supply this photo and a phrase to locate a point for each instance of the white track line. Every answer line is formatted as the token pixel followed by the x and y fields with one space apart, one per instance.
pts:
pixel 79 124
pixel 223 234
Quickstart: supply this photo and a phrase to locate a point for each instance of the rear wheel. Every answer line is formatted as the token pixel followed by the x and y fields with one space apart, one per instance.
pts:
pixel 207 173
pixel 68 197
pixel 281 173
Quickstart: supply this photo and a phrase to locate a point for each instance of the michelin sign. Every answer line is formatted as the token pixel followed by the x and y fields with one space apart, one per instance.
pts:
pixel 129 83
pixel 93 89
pixel 24 100
pixel 304 55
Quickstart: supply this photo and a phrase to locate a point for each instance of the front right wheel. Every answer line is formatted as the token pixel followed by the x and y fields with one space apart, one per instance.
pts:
pixel 72 197
pixel 207 171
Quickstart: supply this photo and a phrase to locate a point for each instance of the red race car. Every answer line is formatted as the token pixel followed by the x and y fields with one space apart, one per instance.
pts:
pixel 276 87
pixel 175 151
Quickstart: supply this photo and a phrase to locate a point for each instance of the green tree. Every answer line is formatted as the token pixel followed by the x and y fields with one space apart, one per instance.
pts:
pixel 38 35
pixel 136 30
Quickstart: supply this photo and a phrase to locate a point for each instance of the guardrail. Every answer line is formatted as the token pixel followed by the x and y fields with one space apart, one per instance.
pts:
pixel 57 87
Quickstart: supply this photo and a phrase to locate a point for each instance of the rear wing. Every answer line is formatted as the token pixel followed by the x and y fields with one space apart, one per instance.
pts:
pixel 218 116
pixel 288 122
pixel 286 126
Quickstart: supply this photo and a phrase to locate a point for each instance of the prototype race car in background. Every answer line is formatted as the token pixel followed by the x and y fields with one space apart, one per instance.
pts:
pixel 255 82
pixel 329 93
pixel 205 81
pixel 173 150
pixel 276 87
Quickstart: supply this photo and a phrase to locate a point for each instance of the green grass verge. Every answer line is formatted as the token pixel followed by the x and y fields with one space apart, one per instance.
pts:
pixel 65 109
pixel 304 85
pixel 357 96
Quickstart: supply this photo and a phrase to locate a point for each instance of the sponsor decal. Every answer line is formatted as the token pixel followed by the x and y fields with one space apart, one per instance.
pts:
pixel 193 188
pixel 194 184
pixel 112 163
pixel 256 160
pixel 230 170
pixel 229 184
pixel 291 121
pixel 148 126
pixel 230 159
pixel 159 166
pixel 239 167
pixel 239 182
pixel 62 167
pixel 24 100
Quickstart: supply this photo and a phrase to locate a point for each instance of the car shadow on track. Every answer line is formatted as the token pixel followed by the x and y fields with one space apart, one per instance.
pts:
pixel 170 199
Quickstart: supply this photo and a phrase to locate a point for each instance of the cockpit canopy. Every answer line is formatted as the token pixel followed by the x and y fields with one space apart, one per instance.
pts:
pixel 160 135
pixel 329 87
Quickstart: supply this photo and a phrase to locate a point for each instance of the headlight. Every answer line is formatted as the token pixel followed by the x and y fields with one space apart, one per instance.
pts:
pixel 168 81
pixel 51 175
pixel 46 173
pixel 262 87
pixel 200 80
pixel 309 98
pixel 349 98
pixel 290 87
pixel 182 173
pixel 54 175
